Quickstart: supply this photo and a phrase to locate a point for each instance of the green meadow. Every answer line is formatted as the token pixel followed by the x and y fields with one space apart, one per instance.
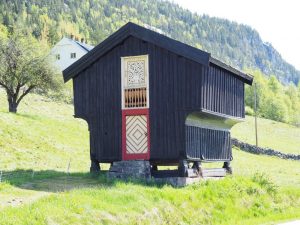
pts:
pixel 271 134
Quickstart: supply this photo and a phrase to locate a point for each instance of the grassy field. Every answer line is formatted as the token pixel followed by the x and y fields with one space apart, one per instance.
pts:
pixel 283 173
pixel 44 137
pixel 279 136
pixel 234 200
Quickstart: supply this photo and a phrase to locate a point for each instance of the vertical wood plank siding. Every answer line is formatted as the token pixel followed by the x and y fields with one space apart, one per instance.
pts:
pixel 174 89
pixel 222 92
pixel 208 144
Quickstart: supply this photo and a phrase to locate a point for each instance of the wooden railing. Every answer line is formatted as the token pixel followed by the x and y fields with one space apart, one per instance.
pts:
pixel 135 97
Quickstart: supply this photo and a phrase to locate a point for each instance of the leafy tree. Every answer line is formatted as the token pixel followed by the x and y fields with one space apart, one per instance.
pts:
pixel 3 32
pixel 274 84
pixel 261 90
pixel 274 101
pixel 24 68
pixel 275 109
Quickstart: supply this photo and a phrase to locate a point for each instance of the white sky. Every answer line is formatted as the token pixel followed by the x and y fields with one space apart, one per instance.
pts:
pixel 277 21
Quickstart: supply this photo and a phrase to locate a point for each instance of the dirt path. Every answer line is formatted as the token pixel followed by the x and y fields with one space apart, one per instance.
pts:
pixel 21 197
pixel 30 192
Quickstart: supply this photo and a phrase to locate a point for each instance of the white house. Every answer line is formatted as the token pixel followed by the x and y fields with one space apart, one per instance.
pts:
pixel 68 51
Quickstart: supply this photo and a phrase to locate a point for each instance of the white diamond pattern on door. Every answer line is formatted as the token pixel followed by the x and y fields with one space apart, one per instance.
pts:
pixel 136 134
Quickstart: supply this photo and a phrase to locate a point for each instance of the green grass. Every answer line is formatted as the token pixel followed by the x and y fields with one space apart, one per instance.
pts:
pixel 279 136
pixel 43 137
pixel 283 173
pixel 234 200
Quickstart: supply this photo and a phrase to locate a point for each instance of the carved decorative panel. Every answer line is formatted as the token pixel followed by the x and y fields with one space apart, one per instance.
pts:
pixel 135 73
pixel 136 134
pixel 135 77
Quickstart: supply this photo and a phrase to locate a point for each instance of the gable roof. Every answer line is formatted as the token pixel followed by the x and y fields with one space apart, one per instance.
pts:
pixel 84 45
pixel 131 29
pixel 79 44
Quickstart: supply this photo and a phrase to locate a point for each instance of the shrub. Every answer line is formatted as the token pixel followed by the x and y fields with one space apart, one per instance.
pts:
pixel 249 111
pixel 275 109
pixel 264 181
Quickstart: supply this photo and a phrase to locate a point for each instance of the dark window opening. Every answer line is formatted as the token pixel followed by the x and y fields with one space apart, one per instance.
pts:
pixel 73 55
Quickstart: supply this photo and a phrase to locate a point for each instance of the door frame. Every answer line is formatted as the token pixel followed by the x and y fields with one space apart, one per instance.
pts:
pixel 135 112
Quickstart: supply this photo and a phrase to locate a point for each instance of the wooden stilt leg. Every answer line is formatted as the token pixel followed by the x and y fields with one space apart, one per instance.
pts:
pixel 95 167
pixel 183 168
pixel 227 167
pixel 154 168
pixel 197 166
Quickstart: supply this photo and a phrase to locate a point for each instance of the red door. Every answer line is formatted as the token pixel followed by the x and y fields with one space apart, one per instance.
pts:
pixel 135 134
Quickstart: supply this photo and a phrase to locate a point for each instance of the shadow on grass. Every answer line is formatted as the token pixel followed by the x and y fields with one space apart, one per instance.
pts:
pixel 57 181
pixel 29 116
pixel 24 115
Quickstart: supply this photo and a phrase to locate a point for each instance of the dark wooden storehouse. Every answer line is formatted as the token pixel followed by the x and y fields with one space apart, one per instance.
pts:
pixel 146 96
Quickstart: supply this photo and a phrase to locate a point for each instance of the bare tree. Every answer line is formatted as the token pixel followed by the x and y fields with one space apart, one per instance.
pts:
pixel 24 66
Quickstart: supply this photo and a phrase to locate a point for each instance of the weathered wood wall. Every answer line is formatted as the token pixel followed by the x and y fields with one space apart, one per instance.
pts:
pixel 222 92
pixel 208 144
pixel 175 91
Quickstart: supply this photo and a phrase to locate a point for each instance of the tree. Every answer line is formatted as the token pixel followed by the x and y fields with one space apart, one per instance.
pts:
pixel 24 68
pixel 3 32
pixel 274 84
pixel 275 109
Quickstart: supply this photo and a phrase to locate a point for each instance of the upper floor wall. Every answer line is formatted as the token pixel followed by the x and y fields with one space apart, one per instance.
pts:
pixel 176 83
pixel 222 92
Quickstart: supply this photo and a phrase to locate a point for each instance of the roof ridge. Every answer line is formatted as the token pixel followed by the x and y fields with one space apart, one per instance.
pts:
pixel 83 45
pixel 163 41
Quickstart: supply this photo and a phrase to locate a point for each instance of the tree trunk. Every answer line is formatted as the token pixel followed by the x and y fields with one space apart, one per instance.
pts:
pixel 12 105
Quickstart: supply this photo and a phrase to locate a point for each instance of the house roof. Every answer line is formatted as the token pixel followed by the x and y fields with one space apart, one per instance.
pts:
pixel 84 45
pixel 81 45
pixel 131 29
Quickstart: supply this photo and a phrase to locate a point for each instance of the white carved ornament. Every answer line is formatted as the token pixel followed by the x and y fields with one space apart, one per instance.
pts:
pixel 136 73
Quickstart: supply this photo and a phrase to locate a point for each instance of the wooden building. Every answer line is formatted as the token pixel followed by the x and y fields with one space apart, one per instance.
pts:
pixel 147 96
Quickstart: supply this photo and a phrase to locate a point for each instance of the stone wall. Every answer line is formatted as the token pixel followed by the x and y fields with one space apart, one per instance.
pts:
pixel 138 169
pixel 264 151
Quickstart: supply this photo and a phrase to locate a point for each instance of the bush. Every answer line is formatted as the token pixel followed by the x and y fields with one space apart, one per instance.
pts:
pixel 295 119
pixel 65 93
pixel 275 109
pixel 264 181
pixel 249 111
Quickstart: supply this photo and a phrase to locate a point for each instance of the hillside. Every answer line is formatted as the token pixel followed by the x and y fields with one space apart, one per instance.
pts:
pixel 43 136
pixel 39 145
pixel 235 44
pixel 280 136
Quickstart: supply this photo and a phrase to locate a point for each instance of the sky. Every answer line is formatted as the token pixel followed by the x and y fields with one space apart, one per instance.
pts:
pixel 277 21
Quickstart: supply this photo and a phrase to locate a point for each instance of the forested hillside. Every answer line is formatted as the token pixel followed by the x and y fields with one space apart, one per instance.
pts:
pixel 233 43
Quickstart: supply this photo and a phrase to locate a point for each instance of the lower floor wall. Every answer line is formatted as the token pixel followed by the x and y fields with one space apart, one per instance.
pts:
pixel 197 143
pixel 208 144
